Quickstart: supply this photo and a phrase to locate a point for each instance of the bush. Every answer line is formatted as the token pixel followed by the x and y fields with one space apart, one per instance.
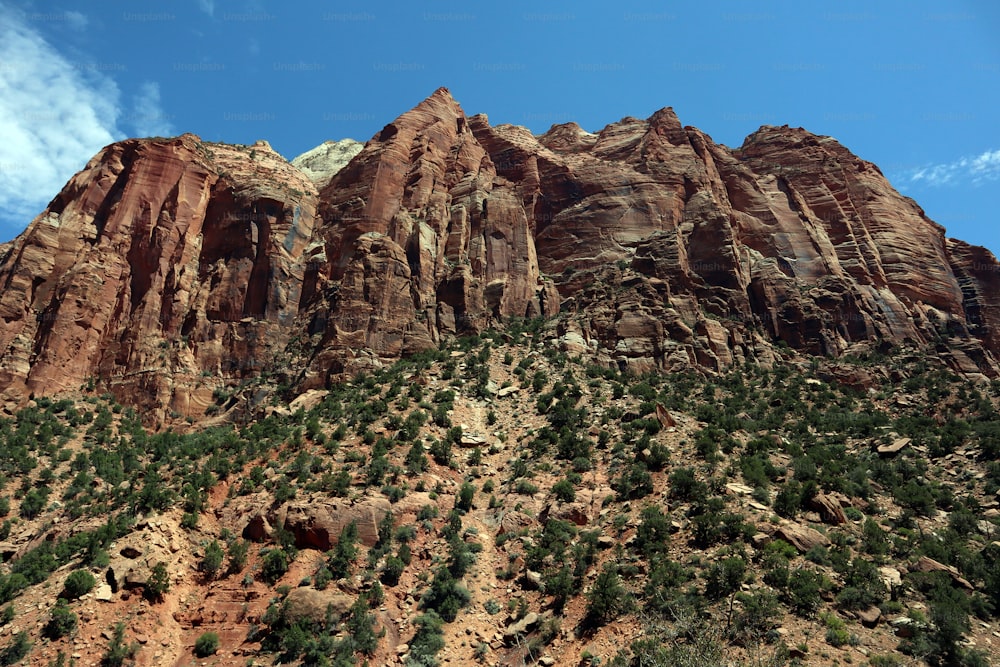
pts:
pixel 16 650
pixel 62 621
pixel 446 596
pixel 465 494
pixel 725 578
pixel 118 651
pixel 212 560
pixel 206 645
pixel 393 570
pixel 564 491
pixel 78 583
pixel 273 565
pixel 345 552
pixel 607 599
pixel 237 550
pixel 158 582
pixel 804 594
pixel 427 641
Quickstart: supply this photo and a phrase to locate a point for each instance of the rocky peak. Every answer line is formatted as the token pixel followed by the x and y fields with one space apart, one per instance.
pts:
pixel 323 162
pixel 168 261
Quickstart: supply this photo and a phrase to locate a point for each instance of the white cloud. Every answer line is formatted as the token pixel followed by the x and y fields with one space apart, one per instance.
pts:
pixel 976 170
pixel 54 116
pixel 207 6
pixel 77 20
pixel 146 117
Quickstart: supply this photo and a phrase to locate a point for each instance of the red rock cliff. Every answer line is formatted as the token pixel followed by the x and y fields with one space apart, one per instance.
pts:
pixel 164 266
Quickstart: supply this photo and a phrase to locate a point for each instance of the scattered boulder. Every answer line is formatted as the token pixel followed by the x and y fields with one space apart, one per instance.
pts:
pixel 890 577
pixel 309 604
pixel 801 537
pixel 472 440
pixel 317 523
pixel 829 509
pixel 520 628
pixel 870 617
pixel 926 564
pixel 665 418
pixel 512 522
pixel 894 448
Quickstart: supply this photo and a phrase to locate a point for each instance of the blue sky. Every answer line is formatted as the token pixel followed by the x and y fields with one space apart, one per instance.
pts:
pixel 913 86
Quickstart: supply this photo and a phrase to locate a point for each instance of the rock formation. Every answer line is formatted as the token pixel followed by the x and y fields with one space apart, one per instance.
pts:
pixel 167 269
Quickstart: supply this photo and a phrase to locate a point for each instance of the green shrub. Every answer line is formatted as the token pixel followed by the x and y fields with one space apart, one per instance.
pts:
pixel 426 641
pixel 804 592
pixel 237 551
pixel 62 621
pixel 607 599
pixel 207 644
pixel 273 565
pixel 16 650
pixel 837 633
pixel 212 560
pixel 465 494
pixel 118 651
pixel 564 491
pixel 78 583
pixel 158 582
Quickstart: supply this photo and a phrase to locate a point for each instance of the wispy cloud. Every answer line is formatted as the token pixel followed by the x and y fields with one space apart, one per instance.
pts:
pixel 207 6
pixel 147 117
pixel 975 170
pixel 54 115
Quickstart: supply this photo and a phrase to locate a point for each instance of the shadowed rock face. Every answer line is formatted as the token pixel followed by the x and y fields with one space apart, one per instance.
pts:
pixel 167 263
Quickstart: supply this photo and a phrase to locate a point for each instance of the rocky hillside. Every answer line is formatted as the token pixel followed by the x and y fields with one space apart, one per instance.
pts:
pixel 168 270
pixel 499 502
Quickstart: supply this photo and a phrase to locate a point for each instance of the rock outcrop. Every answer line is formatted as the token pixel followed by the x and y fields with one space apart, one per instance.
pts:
pixel 167 269
pixel 322 163
pixel 161 265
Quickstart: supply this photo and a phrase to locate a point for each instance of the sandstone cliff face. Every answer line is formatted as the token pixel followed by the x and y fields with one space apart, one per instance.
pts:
pixel 161 263
pixel 164 266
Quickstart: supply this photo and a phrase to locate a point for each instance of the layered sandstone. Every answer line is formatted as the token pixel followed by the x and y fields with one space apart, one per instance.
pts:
pixel 161 267
pixel 167 268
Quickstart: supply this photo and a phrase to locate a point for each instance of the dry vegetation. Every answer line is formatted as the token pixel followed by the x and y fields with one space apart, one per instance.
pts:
pixel 498 502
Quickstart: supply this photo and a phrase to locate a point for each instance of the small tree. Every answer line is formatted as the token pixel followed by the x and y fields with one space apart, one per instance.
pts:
pixel 360 627
pixel 206 645
pixel 345 552
pixel 16 650
pixel 238 550
pixel 212 561
pixel 158 583
pixel 62 621
pixel 78 583
pixel 118 651
pixel 607 599
pixel 464 501
pixel 273 565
